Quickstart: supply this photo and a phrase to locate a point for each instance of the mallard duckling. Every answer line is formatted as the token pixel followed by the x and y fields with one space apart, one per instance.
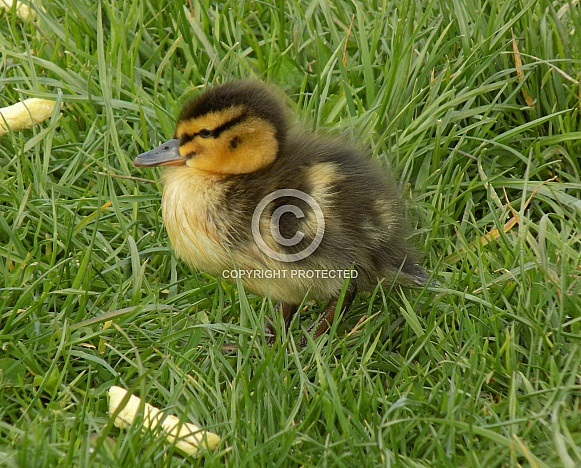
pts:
pixel 290 213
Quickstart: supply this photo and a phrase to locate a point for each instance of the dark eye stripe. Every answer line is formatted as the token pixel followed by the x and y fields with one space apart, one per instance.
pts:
pixel 187 137
pixel 215 133
pixel 229 124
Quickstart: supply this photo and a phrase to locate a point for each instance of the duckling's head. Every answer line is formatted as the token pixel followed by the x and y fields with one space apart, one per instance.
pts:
pixel 236 128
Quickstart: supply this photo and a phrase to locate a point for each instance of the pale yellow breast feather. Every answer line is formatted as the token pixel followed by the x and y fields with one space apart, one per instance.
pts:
pixel 187 203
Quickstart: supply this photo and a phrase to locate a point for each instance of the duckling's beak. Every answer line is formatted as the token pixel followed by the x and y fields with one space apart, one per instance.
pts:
pixel 167 154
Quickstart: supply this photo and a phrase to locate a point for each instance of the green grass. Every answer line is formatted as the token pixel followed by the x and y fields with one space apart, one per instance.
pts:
pixel 483 370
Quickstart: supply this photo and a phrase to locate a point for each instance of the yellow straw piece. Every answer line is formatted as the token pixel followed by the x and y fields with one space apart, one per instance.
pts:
pixel 24 114
pixel 187 437
pixel 22 10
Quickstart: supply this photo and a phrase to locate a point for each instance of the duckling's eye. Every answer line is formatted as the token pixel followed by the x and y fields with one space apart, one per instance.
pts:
pixel 205 133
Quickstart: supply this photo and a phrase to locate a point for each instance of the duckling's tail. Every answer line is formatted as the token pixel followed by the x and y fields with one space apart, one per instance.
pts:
pixel 418 275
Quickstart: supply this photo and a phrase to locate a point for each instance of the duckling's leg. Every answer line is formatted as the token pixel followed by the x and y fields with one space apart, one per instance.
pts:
pixel 322 324
pixel 288 312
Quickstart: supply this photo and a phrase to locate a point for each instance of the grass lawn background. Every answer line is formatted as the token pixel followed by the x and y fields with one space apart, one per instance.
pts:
pixel 473 105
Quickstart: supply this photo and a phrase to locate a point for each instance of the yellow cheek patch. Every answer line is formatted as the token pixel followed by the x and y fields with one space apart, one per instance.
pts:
pixel 256 147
